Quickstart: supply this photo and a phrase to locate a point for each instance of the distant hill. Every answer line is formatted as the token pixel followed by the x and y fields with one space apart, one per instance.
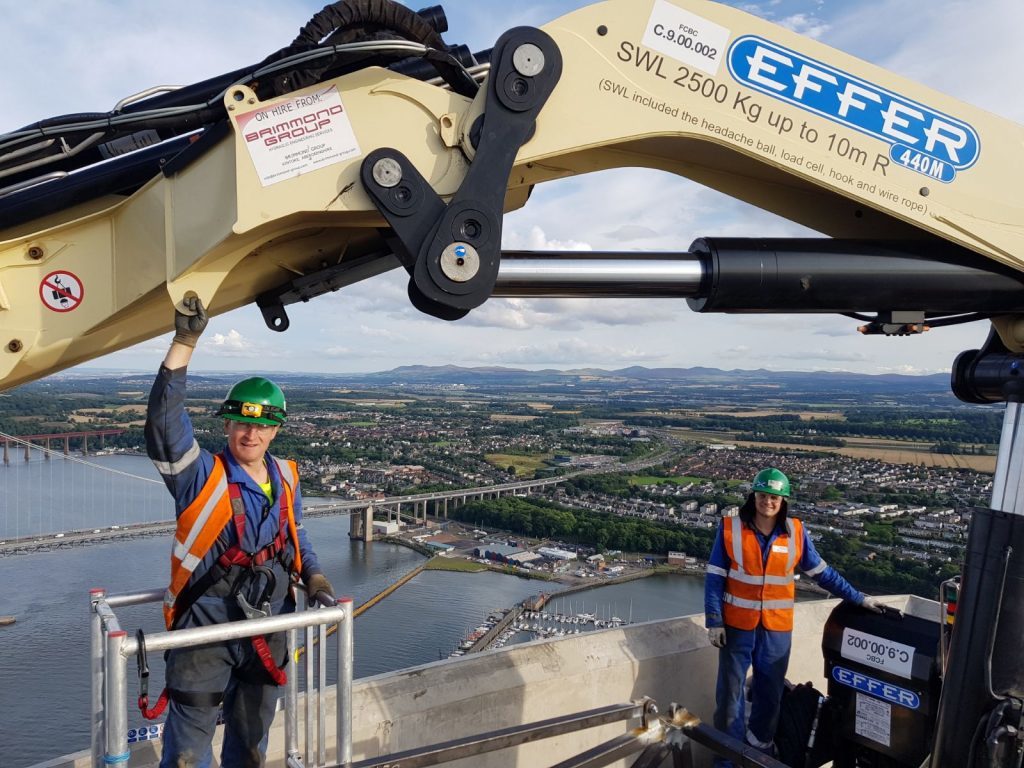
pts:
pixel 633 375
pixel 735 383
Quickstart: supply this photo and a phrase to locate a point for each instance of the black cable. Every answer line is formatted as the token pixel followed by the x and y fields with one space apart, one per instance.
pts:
pixel 336 25
pixel 351 20
pixel 1007 553
pixel 969 317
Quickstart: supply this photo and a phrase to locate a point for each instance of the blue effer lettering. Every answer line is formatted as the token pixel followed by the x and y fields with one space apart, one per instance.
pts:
pixel 887 691
pixel 817 87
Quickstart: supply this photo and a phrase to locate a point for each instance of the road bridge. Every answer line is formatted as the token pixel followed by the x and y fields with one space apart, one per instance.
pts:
pixel 412 508
pixel 42 442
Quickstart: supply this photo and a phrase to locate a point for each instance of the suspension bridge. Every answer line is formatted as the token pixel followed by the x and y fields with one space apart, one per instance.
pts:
pixel 85 498
pixel 27 442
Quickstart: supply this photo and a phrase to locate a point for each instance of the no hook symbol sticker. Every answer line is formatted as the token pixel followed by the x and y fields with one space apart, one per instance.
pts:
pixel 61 291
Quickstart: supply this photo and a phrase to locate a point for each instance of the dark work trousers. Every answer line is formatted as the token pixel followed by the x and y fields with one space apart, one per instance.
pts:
pixel 249 702
pixel 768 653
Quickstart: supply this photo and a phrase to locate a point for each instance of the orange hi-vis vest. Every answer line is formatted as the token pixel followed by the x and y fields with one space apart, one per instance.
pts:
pixel 759 591
pixel 210 512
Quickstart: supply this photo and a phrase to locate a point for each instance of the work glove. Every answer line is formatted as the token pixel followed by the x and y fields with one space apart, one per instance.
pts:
pixel 871 604
pixel 319 590
pixel 188 326
pixel 716 636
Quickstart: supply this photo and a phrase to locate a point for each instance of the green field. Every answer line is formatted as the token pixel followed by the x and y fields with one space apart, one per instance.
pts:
pixel 525 465
pixel 454 564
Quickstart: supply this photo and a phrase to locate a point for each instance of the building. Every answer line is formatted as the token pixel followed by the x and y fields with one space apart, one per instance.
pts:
pixel 553 553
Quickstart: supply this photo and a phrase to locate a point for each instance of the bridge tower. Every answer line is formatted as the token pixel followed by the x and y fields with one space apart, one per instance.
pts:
pixel 361 524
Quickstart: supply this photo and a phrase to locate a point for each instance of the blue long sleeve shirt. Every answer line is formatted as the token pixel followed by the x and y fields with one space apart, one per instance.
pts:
pixel 810 563
pixel 185 468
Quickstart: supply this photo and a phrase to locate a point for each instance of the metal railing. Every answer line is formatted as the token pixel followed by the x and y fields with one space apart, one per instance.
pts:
pixel 657 739
pixel 112 647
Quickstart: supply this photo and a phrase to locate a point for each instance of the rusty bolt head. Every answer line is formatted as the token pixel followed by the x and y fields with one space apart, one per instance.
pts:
pixel 35 252
pixel 14 345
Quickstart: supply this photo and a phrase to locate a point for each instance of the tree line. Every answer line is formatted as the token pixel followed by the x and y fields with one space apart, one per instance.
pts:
pixel 885 572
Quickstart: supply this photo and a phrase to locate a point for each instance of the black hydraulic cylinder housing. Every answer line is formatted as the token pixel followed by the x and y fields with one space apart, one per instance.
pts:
pixel 883 684
pixel 820 275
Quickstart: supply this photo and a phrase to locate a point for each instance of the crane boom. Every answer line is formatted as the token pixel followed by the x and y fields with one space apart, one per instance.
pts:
pixel 260 193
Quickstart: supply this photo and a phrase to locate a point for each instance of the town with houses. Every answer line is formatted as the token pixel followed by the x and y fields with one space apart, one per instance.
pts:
pixel 597 449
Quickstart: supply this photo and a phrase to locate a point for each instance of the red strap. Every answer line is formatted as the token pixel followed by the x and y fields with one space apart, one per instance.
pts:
pixel 155 712
pixel 235 555
pixel 263 651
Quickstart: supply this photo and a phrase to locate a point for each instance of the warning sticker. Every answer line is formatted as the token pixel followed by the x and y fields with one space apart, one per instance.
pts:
pixel 874 719
pixel 61 291
pixel 299 135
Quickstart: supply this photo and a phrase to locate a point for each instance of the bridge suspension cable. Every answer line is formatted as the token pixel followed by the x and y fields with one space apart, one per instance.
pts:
pixel 48 493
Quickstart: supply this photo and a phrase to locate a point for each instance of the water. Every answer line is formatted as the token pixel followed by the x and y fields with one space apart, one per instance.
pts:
pixel 44 682
pixel 71 494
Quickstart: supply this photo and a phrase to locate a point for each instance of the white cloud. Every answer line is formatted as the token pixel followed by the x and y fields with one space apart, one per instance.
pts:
pixel 978 40
pixel 536 240
pixel 805 24
pixel 232 344
pixel 366 331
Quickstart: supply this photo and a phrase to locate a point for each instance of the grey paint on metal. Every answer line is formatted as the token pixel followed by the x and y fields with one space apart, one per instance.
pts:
pixel 1006 490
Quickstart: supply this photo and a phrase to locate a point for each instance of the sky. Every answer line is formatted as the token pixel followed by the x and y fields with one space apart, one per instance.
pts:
pixel 66 56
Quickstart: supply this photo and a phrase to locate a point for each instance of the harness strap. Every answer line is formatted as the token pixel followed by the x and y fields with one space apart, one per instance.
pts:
pixel 277 674
pixel 156 711
pixel 143 664
pixel 234 555
pixel 195 698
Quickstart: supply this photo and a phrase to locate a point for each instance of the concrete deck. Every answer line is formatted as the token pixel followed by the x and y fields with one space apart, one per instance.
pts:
pixel 669 661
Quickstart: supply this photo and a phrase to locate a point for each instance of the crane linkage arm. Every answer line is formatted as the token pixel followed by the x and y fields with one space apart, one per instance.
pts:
pixel 452 251
pixel 329 163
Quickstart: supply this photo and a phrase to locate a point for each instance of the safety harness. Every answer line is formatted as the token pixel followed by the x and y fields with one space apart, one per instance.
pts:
pixel 254 564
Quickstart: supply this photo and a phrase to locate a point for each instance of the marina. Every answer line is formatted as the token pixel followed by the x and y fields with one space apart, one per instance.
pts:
pixel 521 624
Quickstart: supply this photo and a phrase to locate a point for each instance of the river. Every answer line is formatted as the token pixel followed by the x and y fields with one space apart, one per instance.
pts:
pixel 44 681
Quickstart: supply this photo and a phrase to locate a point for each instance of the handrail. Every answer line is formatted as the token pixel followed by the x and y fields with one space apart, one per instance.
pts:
pixel 111 647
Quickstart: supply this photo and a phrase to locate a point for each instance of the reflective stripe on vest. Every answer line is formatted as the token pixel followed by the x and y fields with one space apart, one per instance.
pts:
pixel 201 523
pixel 289 472
pixel 760 591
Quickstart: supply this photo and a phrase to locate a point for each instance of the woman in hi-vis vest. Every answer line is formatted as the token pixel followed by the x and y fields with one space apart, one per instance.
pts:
pixel 749 592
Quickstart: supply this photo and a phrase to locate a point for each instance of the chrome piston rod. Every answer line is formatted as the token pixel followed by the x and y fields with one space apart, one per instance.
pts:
pixel 589 274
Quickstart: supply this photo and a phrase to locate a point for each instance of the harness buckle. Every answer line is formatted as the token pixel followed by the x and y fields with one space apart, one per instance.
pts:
pixel 143 667
pixel 262 608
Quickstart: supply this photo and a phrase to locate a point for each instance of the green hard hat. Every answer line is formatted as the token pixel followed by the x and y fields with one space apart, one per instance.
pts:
pixel 771 481
pixel 255 400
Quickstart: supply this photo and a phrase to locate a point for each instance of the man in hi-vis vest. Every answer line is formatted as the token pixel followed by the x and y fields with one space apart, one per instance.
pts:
pixel 238 547
pixel 749 590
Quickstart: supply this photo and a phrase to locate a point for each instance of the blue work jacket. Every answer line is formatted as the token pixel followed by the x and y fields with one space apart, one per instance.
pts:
pixel 185 467
pixel 810 563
